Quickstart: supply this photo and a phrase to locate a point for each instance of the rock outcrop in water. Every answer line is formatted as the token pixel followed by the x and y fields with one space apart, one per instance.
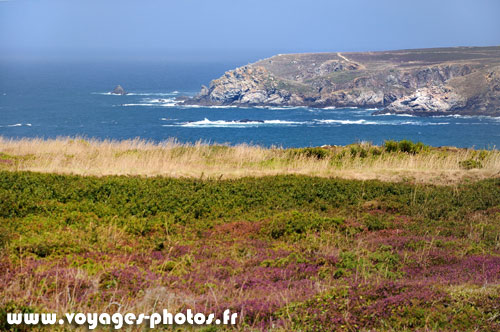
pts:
pixel 462 80
pixel 119 90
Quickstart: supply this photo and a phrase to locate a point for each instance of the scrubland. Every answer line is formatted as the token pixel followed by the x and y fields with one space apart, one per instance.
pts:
pixel 287 252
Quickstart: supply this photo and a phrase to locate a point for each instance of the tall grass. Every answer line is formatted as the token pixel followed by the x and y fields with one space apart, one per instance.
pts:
pixel 171 158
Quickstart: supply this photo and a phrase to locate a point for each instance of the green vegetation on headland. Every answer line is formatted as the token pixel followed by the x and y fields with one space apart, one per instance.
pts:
pixel 422 82
pixel 288 253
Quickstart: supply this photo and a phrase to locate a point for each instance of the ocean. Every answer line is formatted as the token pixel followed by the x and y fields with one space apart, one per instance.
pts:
pixel 48 99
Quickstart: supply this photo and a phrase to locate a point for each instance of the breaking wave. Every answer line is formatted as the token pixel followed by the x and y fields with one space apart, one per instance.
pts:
pixel 332 121
pixel 157 102
pixel 16 125
pixel 173 93
pixel 246 123
pixel 391 114
pixel 237 123
pixel 380 123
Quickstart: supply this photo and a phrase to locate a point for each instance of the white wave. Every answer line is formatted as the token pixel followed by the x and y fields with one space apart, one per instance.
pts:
pixel 456 116
pixel 282 122
pixel 372 109
pixel 213 106
pixel 473 123
pixel 232 106
pixel 158 100
pixel 237 124
pixel 138 93
pixel 16 125
pixel 279 108
pixel 380 123
pixel 362 121
pixel 165 102
pixel 392 114
pixel 153 93
pixel 420 123
pixel 155 103
pixel 127 105
pixel 477 117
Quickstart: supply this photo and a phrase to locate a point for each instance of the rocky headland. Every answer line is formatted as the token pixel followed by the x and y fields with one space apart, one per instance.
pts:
pixel 424 82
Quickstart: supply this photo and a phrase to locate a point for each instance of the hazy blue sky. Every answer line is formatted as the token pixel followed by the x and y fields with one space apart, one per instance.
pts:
pixel 223 29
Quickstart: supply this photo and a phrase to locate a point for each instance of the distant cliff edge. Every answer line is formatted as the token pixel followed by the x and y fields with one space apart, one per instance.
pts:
pixel 440 81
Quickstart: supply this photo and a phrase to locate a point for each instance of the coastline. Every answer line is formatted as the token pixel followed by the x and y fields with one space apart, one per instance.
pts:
pixel 377 109
pixel 462 80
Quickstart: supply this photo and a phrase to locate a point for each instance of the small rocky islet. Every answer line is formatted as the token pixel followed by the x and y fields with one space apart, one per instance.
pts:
pixel 118 90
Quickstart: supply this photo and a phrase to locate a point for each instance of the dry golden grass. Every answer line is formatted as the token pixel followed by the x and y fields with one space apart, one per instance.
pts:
pixel 170 158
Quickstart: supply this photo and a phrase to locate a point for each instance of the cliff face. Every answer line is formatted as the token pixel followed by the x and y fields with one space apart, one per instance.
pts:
pixel 420 82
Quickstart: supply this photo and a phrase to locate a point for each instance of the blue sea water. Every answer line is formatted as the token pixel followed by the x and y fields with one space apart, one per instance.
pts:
pixel 43 99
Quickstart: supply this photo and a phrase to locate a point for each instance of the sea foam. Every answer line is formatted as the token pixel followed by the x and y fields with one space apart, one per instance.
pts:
pixel 238 123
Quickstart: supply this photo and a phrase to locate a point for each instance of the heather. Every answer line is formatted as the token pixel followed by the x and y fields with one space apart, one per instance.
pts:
pixel 288 252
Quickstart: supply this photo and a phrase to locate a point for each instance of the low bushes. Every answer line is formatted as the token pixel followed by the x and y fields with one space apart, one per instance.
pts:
pixel 405 146
pixel 295 223
pixel 293 252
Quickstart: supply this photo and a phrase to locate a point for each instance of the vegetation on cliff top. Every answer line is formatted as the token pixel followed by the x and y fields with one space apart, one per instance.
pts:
pixel 458 80
pixel 394 161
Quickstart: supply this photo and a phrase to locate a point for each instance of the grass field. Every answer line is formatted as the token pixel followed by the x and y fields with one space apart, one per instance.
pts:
pixel 391 162
pixel 287 252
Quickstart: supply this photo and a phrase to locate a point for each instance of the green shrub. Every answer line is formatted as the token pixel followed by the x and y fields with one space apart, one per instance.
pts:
pixel 13 307
pixel 483 154
pixel 384 261
pixel 312 152
pixel 296 223
pixel 375 222
pixel 375 151
pixel 470 164
pixel 4 237
pixel 136 203
pixel 405 146
pixel 358 150
pixel 391 146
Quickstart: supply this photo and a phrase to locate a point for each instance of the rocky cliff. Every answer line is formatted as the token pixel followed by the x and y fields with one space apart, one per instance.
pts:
pixel 462 80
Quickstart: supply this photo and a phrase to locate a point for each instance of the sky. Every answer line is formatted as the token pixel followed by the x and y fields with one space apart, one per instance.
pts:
pixel 230 29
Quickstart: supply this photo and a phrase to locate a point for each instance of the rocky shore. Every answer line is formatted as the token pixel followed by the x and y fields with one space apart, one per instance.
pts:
pixel 425 82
